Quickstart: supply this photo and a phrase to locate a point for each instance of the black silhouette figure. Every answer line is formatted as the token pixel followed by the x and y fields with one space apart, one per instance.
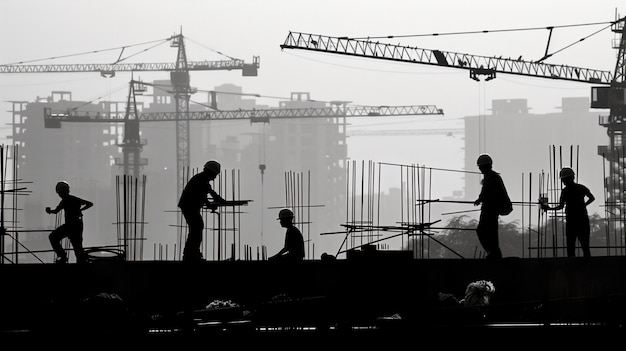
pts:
pixel 73 207
pixel 293 250
pixel 574 198
pixel 492 196
pixel 193 198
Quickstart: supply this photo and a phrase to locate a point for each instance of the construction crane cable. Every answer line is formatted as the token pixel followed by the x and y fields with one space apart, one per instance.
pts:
pixel 161 41
pixel 120 59
pixel 546 56
pixel 108 94
pixel 208 48
pixel 482 31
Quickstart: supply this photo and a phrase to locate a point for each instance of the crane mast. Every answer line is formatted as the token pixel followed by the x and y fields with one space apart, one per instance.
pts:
pixel 131 145
pixel 610 92
pixel 615 152
pixel 182 92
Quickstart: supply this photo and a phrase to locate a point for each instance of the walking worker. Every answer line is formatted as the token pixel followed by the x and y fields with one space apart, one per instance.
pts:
pixel 73 207
pixel 193 198
pixel 293 250
pixel 574 198
pixel 495 201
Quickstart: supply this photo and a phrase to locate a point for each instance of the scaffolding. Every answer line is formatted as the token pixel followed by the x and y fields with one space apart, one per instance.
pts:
pixel 10 228
pixel 365 226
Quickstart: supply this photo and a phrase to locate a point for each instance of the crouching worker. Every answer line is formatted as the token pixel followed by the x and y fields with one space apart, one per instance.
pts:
pixel 293 250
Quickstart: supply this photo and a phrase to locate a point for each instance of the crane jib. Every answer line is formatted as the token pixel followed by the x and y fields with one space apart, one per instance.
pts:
pixel 477 65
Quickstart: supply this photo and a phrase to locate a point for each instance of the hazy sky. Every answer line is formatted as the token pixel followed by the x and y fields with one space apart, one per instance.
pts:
pixel 36 30
pixel 41 29
pixel 215 30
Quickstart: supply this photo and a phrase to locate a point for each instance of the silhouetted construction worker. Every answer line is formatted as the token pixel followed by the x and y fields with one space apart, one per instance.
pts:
pixel 574 198
pixel 73 207
pixel 193 198
pixel 293 250
pixel 492 195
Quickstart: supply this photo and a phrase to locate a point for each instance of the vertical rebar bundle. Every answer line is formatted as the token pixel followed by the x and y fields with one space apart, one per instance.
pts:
pixel 363 206
pixel 549 240
pixel 130 215
pixel 298 200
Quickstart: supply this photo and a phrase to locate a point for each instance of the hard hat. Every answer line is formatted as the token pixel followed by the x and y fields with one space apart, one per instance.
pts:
pixel 212 166
pixel 285 213
pixel 62 186
pixel 484 160
pixel 566 172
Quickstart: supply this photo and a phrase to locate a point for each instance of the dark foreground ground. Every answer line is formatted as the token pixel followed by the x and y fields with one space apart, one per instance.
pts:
pixel 396 337
pixel 353 303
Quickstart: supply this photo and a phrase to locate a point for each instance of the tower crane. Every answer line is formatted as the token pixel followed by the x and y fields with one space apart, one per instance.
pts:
pixel 132 145
pixel 610 91
pixel 179 76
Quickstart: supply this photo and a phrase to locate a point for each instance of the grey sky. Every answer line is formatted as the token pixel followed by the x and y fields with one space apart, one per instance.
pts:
pixel 241 29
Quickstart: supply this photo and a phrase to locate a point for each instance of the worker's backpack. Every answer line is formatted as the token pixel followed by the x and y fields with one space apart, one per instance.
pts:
pixel 506 206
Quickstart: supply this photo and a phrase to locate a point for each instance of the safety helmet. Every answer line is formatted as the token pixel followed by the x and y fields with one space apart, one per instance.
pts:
pixel 62 187
pixel 285 213
pixel 212 166
pixel 566 172
pixel 484 160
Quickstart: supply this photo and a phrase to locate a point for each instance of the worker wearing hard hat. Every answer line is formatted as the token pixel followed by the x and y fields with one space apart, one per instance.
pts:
pixel 574 198
pixel 193 198
pixel 73 208
pixel 293 250
pixel 493 193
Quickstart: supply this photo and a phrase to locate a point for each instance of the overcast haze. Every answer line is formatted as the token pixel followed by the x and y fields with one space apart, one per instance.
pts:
pixel 216 30
pixel 243 29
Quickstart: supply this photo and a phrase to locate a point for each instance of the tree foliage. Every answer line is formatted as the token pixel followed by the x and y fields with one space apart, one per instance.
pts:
pixel 459 239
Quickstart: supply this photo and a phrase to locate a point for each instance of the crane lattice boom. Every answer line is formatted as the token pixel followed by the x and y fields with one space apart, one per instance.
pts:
pixel 477 65
pixel 255 115
pixel 124 67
